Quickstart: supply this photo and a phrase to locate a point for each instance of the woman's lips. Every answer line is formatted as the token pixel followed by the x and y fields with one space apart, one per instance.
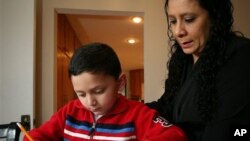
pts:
pixel 186 44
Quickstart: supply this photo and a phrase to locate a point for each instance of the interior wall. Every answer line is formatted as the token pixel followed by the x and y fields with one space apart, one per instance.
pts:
pixel 1 45
pixel 155 48
pixel 241 16
pixel 17 61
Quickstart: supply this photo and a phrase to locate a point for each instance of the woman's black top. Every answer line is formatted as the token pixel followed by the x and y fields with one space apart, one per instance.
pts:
pixel 233 93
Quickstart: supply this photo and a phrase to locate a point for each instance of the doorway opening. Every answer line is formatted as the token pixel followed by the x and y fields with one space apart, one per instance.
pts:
pixel 115 28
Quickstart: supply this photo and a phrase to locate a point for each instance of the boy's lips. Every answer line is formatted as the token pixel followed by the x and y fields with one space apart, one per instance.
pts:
pixel 94 109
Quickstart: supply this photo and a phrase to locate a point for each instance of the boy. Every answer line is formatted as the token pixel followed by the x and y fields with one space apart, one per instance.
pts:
pixel 100 113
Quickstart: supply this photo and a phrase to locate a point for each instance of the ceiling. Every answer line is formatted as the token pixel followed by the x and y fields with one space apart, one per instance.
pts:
pixel 114 31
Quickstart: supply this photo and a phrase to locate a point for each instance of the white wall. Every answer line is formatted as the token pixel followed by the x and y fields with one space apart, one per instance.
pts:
pixel 17 59
pixel 154 40
pixel 1 15
pixel 156 49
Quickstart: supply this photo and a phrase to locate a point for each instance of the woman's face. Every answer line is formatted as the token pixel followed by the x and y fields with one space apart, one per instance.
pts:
pixel 189 24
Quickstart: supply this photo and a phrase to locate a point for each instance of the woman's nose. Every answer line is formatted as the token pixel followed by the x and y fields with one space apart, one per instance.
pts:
pixel 180 30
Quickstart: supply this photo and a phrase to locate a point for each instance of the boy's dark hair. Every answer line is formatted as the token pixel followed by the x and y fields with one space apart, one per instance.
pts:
pixel 95 58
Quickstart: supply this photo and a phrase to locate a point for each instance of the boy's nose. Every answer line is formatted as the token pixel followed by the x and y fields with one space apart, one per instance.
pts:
pixel 91 100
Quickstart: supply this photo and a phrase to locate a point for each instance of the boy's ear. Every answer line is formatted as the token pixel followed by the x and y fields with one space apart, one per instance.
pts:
pixel 122 82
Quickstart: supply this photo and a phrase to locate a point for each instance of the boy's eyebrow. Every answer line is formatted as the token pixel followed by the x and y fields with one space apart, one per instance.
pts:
pixel 79 91
pixel 97 87
pixel 91 89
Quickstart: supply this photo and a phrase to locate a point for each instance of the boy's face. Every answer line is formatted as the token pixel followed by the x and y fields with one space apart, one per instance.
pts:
pixel 97 92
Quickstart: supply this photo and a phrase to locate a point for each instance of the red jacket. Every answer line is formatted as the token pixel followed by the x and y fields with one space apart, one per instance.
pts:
pixel 128 121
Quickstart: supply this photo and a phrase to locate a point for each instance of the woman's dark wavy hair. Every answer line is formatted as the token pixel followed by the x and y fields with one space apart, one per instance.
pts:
pixel 211 58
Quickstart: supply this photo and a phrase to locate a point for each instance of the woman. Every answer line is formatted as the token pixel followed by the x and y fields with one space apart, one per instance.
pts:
pixel 207 92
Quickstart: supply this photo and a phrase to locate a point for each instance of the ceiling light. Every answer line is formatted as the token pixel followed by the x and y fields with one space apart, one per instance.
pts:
pixel 137 19
pixel 131 41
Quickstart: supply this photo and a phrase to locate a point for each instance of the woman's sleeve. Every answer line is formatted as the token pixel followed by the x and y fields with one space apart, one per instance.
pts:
pixel 157 128
pixel 163 107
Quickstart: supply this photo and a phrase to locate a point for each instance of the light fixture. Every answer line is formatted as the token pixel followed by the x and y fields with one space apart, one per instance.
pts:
pixel 137 19
pixel 131 41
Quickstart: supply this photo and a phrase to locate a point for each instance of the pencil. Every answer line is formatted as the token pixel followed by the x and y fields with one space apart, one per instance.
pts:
pixel 24 131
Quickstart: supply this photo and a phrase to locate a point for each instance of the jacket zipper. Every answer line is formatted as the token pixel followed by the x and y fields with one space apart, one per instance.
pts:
pixel 92 131
pixel 93 128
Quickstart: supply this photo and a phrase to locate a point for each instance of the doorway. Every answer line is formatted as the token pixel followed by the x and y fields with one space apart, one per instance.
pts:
pixel 76 28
